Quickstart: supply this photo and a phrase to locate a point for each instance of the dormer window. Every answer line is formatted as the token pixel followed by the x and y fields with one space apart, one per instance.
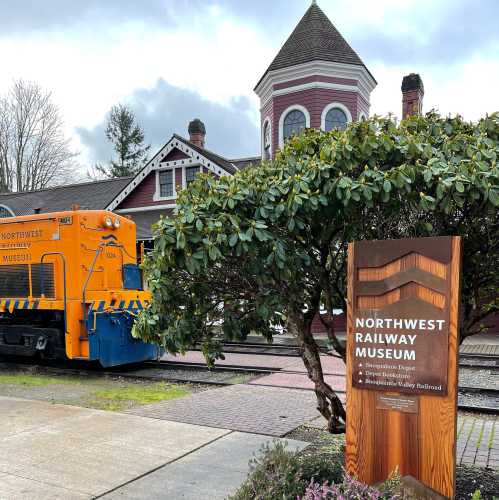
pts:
pixel 166 183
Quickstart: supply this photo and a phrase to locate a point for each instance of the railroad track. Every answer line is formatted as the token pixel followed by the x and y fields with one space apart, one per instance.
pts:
pixel 473 399
pixel 466 360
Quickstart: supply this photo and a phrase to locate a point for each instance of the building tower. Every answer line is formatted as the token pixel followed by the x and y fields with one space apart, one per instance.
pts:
pixel 316 80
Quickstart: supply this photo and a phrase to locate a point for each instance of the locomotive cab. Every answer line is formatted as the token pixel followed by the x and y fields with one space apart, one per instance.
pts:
pixel 70 287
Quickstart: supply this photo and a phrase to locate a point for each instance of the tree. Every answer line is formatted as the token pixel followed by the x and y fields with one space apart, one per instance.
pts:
pixel 127 138
pixel 266 248
pixel 33 150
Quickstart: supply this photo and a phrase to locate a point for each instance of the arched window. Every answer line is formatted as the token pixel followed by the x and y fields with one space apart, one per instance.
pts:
pixel 266 141
pixel 5 212
pixel 294 123
pixel 336 119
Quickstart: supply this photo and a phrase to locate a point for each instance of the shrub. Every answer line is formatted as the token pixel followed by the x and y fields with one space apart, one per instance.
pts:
pixel 349 489
pixel 279 474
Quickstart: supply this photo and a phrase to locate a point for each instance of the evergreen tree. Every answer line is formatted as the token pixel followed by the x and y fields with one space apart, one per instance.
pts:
pixel 127 138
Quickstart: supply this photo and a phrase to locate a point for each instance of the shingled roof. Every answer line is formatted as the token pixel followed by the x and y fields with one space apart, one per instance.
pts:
pixel 217 159
pixel 314 39
pixel 88 195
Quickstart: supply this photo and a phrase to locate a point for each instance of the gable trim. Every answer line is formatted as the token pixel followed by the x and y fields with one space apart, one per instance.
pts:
pixel 155 163
pixel 151 208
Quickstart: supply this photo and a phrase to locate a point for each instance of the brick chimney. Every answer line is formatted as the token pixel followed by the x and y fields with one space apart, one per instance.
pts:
pixel 197 132
pixel 412 95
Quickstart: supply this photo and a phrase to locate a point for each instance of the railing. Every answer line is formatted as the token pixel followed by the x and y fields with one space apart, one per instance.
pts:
pixel 57 254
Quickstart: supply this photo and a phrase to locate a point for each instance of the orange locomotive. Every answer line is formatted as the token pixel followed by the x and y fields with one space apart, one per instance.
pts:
pixel 70 286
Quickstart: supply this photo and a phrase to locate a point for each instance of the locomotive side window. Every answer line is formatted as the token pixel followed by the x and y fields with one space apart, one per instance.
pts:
pixel 166 183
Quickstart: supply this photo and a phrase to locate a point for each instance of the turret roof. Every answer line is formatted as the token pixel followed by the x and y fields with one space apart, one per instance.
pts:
pixel 314 39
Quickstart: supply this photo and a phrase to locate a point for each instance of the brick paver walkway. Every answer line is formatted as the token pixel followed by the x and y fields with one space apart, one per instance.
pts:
pixel 259 410
pixel 478 442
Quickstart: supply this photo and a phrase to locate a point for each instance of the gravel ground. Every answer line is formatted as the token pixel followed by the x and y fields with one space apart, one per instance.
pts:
pixel 477 399
pixel 472 377
pixel 193 374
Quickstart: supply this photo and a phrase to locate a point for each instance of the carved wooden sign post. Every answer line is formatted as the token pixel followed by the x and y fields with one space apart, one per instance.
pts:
pixel 402 342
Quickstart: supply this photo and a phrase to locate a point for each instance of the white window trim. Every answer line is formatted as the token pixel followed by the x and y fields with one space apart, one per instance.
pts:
pixel 331 106
pixel 293 107
pixel 362 115
pixel 266 122
pixel 157 195
pixel 194 158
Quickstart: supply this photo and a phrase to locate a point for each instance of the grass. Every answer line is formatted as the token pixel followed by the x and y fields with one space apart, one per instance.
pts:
pixel 490 444
pixel 101 393
pixel 115 399
pixel 33 380
pixel 480 436
pixel 239 379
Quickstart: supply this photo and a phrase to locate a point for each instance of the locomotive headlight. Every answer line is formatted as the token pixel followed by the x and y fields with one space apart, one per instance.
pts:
pixel 117 223
pixel 108 222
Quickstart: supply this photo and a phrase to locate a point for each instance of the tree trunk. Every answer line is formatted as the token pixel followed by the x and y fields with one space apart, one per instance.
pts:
pixel 328 323
pixel 328 403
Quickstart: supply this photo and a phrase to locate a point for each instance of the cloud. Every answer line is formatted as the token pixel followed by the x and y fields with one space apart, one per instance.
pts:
pixel 445 33
pixel 36 15
pixel 166 109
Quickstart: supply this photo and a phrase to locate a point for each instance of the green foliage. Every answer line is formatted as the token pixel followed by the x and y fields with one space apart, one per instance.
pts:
pixel 277 473
pixel 254 251
pixel 127 138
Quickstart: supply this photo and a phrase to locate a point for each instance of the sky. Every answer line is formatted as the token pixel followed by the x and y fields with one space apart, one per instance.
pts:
pixel 175 60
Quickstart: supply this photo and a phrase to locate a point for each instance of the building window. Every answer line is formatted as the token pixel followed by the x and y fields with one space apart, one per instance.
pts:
pixel 166 183
pixel 4 212
pixel 336 119
pixel 266 141
pixel 190 174
pixel 294 123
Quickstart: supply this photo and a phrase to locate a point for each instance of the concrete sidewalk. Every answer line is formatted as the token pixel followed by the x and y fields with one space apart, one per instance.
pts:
pixel 53 451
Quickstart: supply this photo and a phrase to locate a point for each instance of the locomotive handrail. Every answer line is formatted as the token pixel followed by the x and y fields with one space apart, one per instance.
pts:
pixel 59 254
pixel 98 251
pixel 90 272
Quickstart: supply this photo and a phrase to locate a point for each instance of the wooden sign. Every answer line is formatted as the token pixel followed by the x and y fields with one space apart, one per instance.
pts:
pixel 402 348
